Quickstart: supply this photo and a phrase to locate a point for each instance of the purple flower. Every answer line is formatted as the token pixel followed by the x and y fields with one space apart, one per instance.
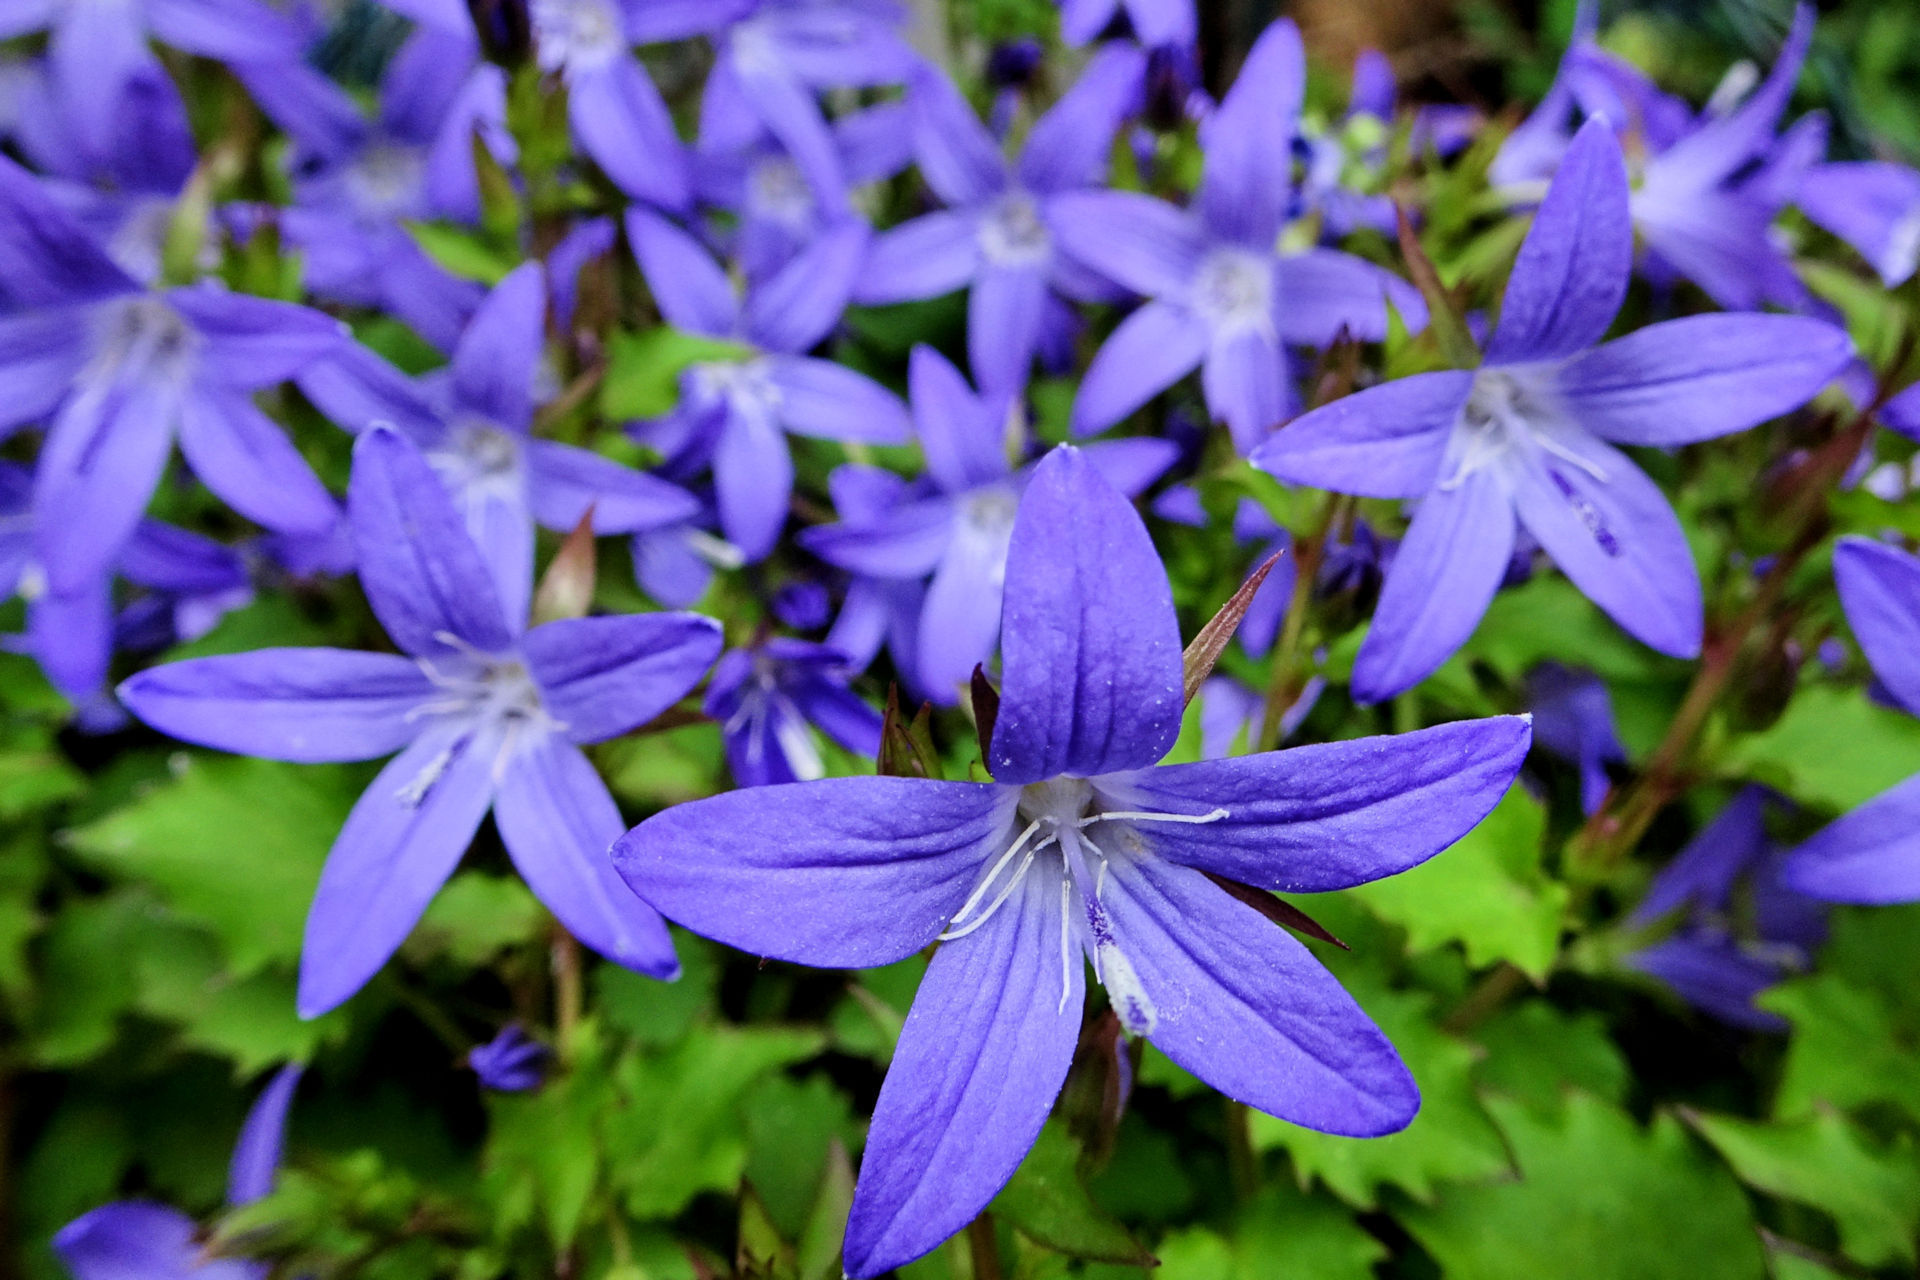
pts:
pixel 1573 718
pixel 735 412
pixel 140 1240
pixel 483 716
pixel 998 233
pixel 1709 186
pixel 475 424
pixel 1077 848
pixel 959 534
pixel 124 371
pixel 1230 709
pixel 1154 23
pixel 1712 961
pixel 511 1062
pixel 1872 855
pixel 765 697
pixel 1872 205
pixel 1223 298
pixel 1528 438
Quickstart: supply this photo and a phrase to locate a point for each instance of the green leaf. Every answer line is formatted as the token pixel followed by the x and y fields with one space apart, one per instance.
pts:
pixel 1048 1200
pixel 1850 1046
pixel 1451 1139
pixel 231 842
pixel 1598 1197
pixel 643 369
pixel 1833 747
pixel 791 1124
pixel 460 251
pixel 1283 1235
pixel 1535 1052
pixel 653 1012
pixel 1821 1160
pixel 476 917
pixel 34 780
pixel 1486 892
pixel 85 980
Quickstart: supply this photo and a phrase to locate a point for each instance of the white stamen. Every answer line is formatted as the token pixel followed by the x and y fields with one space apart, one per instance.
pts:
pixel 1128 815
pixel 416 791
pixel 1561 451
pixel 980 890
pixel 1066 942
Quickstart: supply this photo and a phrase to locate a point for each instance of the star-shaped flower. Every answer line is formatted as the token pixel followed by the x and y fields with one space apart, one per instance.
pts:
pixel 1078 848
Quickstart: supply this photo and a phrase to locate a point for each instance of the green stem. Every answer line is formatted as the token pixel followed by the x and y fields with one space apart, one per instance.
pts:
pixel 983 1247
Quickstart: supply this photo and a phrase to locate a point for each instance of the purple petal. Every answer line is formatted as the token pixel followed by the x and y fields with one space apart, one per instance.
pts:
pixel 564 482
pixel 1880 589
pixel 1003 324
pixel 422 573
pixel 1323 293
pixel 821 398
pixel 801 303
pixel 981 1058
pixel 1699 377
pixel 1244 383
pixel 134 1240
pixel 356 388
pixel 310 109
pixel 1616 538
pixel 47 259
pixel 399 845
pixel 1442 579
pixel 933 254
pixel 603 676
pixel 245 457
pixel 1571 275
pixel 960 619
pixel 752 481
pixel 1248 141
pixel 1702 875
pixel 41 355
pixel 962 435
pixel 1870 856
pixel 254 342
pixel 1872 205
pixel 236 30
pixel 499 354
pixel 840 713
pixel 70 634
pixel 904 543
pixel 1135 240
pixel 1151 350
pixel 1246 1007
pixel 621 122
pixel 1090 643
pixel 256 1156
pixel 98 468
pixel 1384 442
pixel 1132 464
pixel 1712 973
pixel 1716 151
pixel 558 822
pixel 958 157
pixel 1329 816
pixel 839 873
pixel 689 287
pixel 1069 145
pixel 310 706
pixel 94 54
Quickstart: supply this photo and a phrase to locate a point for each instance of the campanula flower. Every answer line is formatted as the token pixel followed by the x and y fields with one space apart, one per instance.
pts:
pixel 736 412
pixel 1077 848
pixel 997 235
pixel 1529 438
pixel 1223 297
pixel 1252 526
pixel 483 715
pixel 123 371
pixel 1872 855
pixel 441 75
pixel 141 1240
pixel 1153 23
pixel 1874 206
pixel 475 425
pixel 1731 945
pixel 766 696
pixel 959 533
pixel 511 1062
pixel 1573 718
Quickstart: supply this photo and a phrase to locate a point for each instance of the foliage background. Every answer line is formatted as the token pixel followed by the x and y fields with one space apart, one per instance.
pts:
pixel 1578 1120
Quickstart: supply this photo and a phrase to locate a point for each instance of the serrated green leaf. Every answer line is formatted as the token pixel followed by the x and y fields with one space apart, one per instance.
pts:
pixel 475 917
pixel 1821 1160
pixel 1280 1236
pixel 1535 1052
pixel 1048 1200
pixel 1850 1046
pixel 1597 1197
pixel 1486 892
pixel 1833 748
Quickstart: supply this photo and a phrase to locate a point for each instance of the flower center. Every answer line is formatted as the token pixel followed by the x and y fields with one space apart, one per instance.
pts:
pixel 577 35
pixel 476 456
pixel 1510 416
pixel 385 181
pixel 1013 233
pixel 746 385
pixel 1233 291
pixel 777 191
pixel 489 691
pixel 142 337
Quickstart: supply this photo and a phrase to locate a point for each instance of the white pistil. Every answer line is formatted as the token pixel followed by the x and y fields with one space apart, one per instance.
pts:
pixel 422 782
pixel 1128 815
pixel 1066 942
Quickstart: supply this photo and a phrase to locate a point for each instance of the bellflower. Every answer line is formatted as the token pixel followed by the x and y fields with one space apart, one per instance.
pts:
pixel 1079 847
pixel 1223 297
pixel 997 234
pixel 771 57
pixel 1573 719
pixel 141 1240
pixel 1715 960
pixel 122 371
pixel 1528 438
pixel 960 533
pixel 482 715
pixel 1231 713
pixel 1152 22
pixel 1252 526
pixel 1706 191
pixel 878 611
pixel 1872 855
pixel 475 425
pixel 1874 206
pixel 736 412
pixel 443 76
pixel 511 1062
pixel 766 695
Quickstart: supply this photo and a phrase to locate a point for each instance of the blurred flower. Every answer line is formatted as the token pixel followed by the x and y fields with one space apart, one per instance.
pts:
pixel 1078 847
pixel 766 697
pixel 512 1061
pixel 1529 437
pixel 1872 205
pixel 1152 22
pixel 483 716
pixel 1573 718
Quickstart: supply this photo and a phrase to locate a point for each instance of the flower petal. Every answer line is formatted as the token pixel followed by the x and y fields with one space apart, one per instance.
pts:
pixel 1324 293
pixel 499 353
pixel 1130 238
pixel 821 398
pixel 1248 141
pixel 962 435
pixel 134 1238
pixel 960 619
pixel 98 467
pixel 1870 856
pixel 1003 324
pixel 1244 381
pixel 245 457
pixel 1151 350
pixel 689 287
pixel 310 706
pixel 1069 145
pixel 558 822
pixel 47 259
pixel 565 481
pixel 1332 815
pixel 957 156
pixel 1571 275
pixel 980 1061
pixel 603 676
pixel 251 342
pixel 905 543
pixel 800 304
pixel 1880 589
pixel 621 122
pixel 1090 643
pixel 752 481
pixel 839 873
pixel 930 255
pixel 256 1155
pixel 1384 442
pixel 1441 581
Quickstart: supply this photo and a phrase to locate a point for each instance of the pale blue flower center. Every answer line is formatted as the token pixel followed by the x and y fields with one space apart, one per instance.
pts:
pixel 1509 414
pixel 777 191
pixel 746 385
pixel 1013 234
pixel 385 181
pixel 490 692
pixel 1233 291
pixel 478 459
pixel 577 35
pixel 142 337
